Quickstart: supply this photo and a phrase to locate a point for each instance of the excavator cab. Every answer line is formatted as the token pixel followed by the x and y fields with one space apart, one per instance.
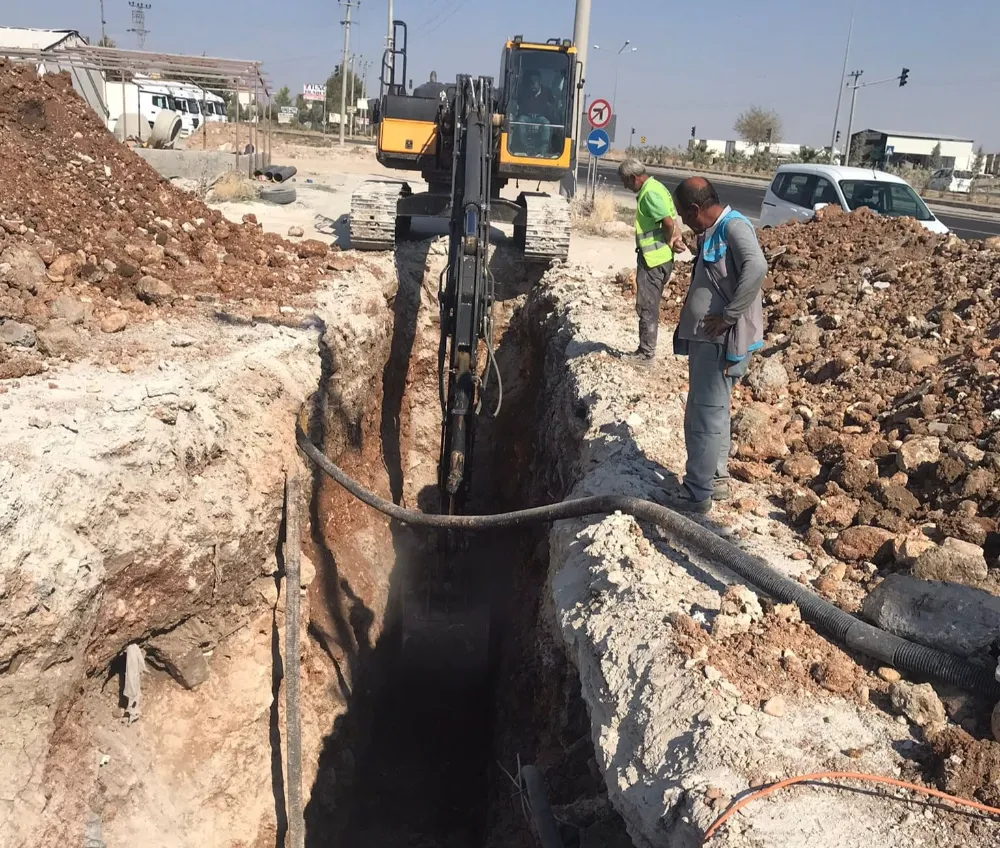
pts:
pixel 537 98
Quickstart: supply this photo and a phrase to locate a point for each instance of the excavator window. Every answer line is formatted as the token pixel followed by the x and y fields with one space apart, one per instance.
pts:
pixel 538 103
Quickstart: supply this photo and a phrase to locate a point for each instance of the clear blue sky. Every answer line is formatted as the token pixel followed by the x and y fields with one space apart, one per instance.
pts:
pixel 697 63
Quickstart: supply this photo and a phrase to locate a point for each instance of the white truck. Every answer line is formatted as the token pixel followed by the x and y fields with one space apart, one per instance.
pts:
pixel 144 98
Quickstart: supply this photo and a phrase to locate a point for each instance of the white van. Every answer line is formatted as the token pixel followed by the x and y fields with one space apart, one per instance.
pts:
pixel 948 179
pixel 797 191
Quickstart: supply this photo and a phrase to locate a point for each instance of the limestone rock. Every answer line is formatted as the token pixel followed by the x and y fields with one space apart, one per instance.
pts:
pixel 25 271
pixel 114 322
pixel 918 452
pixel 957 619
pixel 17 334
pixel 954 561
pixel 802 467
pixel 768 379
pixel 918 702
pixel 154 291
pixel 296 231
pixel 68 309
pixel 775 706
pixel 60 340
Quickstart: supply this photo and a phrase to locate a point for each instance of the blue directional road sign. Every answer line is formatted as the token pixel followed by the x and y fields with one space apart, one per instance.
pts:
pixel 598 143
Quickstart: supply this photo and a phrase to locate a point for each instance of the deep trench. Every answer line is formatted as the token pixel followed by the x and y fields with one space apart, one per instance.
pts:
pixel 424 753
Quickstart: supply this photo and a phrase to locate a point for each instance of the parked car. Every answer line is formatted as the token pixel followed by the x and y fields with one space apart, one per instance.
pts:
pixel 797 191
pixel 948 179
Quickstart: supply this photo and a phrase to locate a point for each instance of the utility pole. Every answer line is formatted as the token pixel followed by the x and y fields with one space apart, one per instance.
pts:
pixel 353 104
pixel 843 82
pixel 104 35
pixel 343 66
pixel 850 118
pixel 581 38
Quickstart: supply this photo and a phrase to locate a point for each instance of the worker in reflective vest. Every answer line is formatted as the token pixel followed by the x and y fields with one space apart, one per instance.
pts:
pixel 657 236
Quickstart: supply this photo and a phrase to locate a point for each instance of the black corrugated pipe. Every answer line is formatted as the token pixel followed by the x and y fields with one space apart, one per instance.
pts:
pixel 841 626
pixel 541 812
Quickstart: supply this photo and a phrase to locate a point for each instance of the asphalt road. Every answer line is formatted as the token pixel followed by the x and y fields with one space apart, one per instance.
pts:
pixel 747 197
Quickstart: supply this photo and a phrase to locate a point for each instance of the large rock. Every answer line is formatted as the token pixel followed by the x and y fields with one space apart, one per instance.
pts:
pixel 26 269
pixel 960 620
pixel 758 433
pixel 154 291
pixel 768 379
pixel 918 452
pixel 862 543
pixel 837 511
pixel 954 561
pixel 181 652
pixel 68 309
pixel 918 702
pixel 15 333
pixel 60 340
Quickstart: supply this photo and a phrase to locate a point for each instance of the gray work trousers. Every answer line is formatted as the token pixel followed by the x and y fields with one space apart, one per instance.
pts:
pixel 706 416
pixel 649 283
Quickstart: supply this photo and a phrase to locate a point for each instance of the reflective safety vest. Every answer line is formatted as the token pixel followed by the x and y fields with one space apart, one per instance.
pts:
pixel 648 231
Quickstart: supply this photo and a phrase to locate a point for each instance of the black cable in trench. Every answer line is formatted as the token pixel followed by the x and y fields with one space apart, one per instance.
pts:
pixel 844 628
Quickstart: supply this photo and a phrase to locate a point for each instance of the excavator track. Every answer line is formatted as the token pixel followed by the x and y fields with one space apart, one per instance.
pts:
pixel 374 223
pixel 546 234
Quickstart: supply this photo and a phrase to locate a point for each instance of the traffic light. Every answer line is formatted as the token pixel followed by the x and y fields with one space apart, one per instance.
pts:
pixel 692 132
pixel 838 137
pixel 769 130
pixel 903 76
pixel 336 70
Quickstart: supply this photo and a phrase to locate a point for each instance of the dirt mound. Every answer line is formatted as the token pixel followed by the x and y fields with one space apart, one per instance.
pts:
pixel 888 336
pixel 90 234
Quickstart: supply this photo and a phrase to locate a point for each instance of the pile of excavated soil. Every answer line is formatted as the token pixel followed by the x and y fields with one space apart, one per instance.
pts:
pixel 92 236
pixel 875 405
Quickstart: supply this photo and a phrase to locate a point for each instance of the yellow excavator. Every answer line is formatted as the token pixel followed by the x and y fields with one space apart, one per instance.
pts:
pixel 530 138
pixel 468 140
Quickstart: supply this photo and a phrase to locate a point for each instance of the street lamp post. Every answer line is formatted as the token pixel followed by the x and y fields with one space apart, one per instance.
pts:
pixel 614 96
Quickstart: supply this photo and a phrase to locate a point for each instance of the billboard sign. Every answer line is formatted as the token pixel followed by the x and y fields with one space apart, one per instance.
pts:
pixel 310 91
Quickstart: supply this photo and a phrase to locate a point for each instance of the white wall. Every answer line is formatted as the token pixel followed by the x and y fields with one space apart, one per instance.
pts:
pixel 961 150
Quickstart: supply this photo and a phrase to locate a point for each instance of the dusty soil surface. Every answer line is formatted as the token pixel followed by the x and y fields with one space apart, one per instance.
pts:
pixel 92 239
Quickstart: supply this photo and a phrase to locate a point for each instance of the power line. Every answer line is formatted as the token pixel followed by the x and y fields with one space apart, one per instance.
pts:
pixel 443 18
pixel 139 10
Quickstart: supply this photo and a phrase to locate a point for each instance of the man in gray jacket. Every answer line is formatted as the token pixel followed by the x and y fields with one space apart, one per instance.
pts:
pixel 721 324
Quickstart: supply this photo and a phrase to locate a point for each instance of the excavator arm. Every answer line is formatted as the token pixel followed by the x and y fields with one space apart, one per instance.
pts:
pixel 466 293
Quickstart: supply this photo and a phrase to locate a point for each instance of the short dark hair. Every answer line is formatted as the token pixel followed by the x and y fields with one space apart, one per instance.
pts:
pixel 696 191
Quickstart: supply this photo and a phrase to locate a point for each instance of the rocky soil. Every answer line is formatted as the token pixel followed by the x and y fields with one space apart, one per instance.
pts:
pixel 699 689
pixel 872 416
pixel 93 240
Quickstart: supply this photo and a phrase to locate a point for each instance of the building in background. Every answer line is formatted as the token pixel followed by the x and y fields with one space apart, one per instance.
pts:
pixel 887 147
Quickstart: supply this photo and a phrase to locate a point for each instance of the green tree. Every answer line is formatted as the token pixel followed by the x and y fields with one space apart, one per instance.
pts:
pixel 333 84
pixel 283 97
pixel 106 41
pixel 755 124
pixel 935 162
pixel 807 154
pixel 978 162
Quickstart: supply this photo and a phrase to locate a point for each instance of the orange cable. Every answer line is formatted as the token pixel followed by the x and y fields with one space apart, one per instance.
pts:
pixel 842 775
